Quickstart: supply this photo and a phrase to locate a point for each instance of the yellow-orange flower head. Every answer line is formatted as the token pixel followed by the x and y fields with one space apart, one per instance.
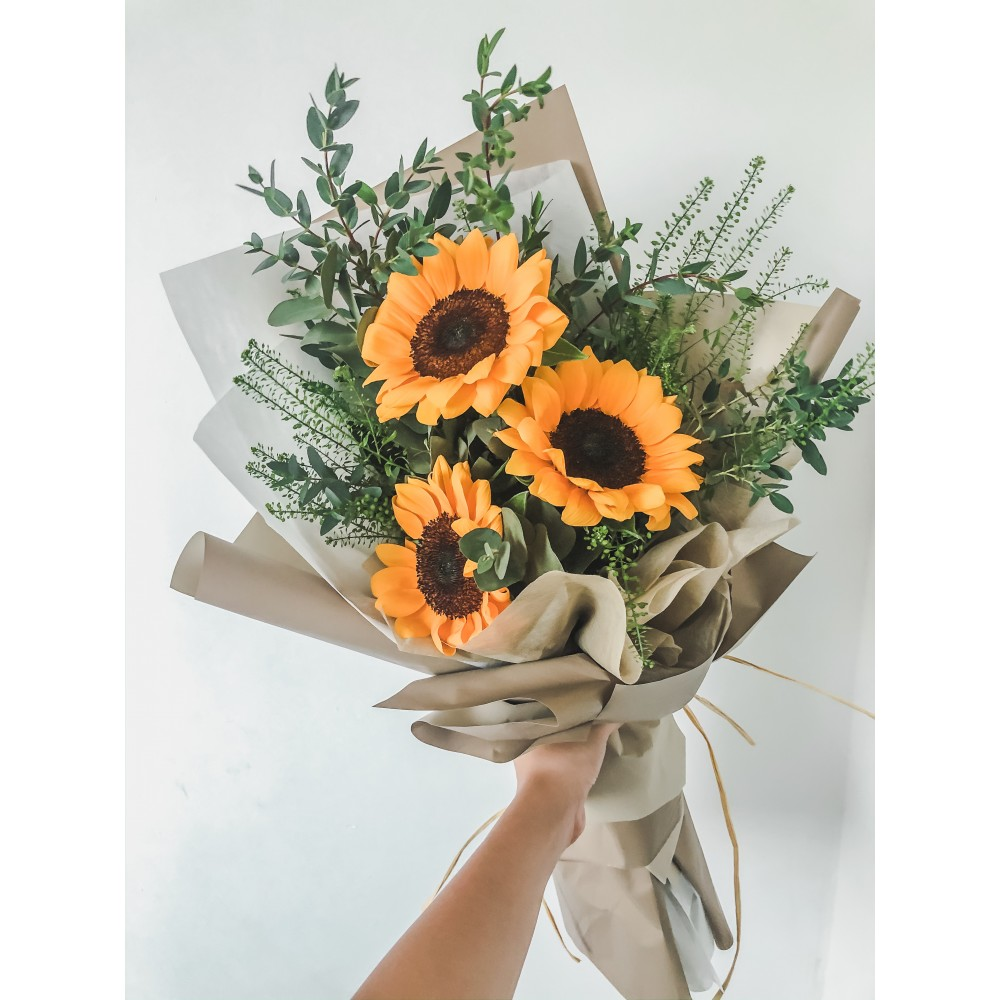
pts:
pixel 427 585
pixel 462 331
pixel 600 440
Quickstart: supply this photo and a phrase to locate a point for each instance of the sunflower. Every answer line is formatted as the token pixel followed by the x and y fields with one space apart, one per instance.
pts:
pixel 462 331
pixel 427 585
pixel 600 440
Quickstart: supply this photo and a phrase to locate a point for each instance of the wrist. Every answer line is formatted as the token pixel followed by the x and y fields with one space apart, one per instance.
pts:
pixel 551 804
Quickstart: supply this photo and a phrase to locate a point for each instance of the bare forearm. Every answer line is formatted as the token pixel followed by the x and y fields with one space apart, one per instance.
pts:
pixel 473 938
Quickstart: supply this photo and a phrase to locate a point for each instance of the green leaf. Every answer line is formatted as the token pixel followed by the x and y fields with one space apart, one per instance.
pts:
pixel 779 472
pixel 518 503
pixel 639 300
pixel 473 544
pixel 421 152
pixel 672 286
pixel 580 258
pixel 334 85
pixel 254 175
pixel 328 334
pixel 325 191
pixel 711 393
pixel 307 239
pixel 341 115
pixel 309 492
pixel 502 559
pixel 341 158
pixel 277 201
pixel 367 195
pixel 782 502
pixel 542 557
pixel 403 264
pixel 724 367
pixel 748 296
pixel 487 580
pixel 347 293
pixel 811 455
pixel 625 274
pixel 315 127
pixel 297 310
pixel 305 216
pixel 265 264
pixel 440 199
pixel 328 523
pixel 366 320
pixel 328 277
pixel 480 112
pixel 316 461
pixel 337 493
pixel 562 350
pixel 733 275
pixel 513 531
pixel 697 268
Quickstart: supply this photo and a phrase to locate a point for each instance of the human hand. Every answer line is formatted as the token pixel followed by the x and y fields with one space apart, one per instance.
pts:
pixel 561 775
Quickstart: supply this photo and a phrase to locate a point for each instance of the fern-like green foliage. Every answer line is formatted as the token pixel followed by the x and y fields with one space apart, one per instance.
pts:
pixel 345 475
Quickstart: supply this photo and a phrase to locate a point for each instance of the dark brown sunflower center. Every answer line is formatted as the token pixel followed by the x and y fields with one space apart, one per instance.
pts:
pixel 439 571
pixel 599 446
pixel 462 329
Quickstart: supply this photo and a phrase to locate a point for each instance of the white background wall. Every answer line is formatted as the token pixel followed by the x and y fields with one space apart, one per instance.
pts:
pixel 282 833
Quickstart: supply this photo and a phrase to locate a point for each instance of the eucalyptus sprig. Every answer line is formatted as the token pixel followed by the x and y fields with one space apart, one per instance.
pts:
pixel 493 110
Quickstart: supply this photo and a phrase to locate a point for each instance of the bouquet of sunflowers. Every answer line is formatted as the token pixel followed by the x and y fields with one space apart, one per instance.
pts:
pixel 490 439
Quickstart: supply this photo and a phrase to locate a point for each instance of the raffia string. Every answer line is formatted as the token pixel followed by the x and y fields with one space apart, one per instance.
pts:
pixel 805 684
pixel 458 857
pixel 454 865
pixel 555 927
pixel 712 707
pixel 736 850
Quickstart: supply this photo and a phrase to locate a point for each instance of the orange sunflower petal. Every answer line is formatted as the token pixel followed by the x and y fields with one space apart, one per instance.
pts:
pixel 503 264
pixel 449 493
pixel 441 274
pixel 489 393
pixel 543 402
pixel 396 555
pixel 415 626
pixel 587 428
pixel 580 509
pixel 473 260
pixel 475 280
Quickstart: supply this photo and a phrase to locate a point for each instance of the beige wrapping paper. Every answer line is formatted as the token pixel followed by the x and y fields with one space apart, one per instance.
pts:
pixel 558 659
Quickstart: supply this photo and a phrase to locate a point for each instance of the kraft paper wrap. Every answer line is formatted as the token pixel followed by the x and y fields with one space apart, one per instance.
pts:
pixel 635 891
